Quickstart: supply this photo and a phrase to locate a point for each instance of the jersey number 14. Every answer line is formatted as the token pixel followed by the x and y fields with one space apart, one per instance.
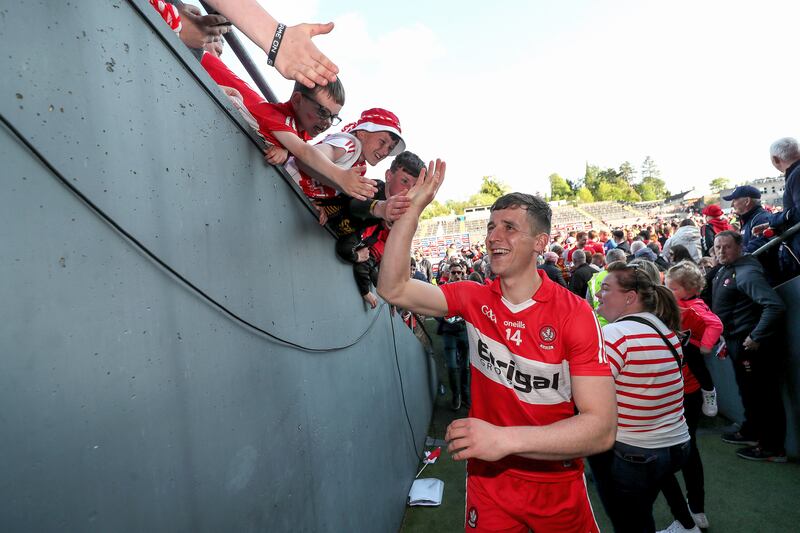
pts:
pixel 514 337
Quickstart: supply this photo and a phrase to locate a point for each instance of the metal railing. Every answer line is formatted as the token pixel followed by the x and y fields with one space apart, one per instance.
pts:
pixel 780 239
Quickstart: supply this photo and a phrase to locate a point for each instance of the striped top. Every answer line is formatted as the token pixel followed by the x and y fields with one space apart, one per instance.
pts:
pixel 649 383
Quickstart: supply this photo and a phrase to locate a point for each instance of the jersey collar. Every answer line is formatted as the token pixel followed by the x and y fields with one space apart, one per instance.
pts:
pixel 543 294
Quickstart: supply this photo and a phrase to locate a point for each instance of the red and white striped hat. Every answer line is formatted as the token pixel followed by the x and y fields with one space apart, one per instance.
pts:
pixel 377 119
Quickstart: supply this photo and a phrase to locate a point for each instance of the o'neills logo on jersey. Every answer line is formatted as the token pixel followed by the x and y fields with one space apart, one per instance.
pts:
pixel 518 324
pixel 508 372
pixel 486 310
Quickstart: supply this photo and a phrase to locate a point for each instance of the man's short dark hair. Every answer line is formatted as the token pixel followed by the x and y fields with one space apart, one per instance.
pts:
pixel 592 234
pixel 687 222
pixel 735 235
pixel 334 89
pixel 539 213
pixel 618 234
pixel 409 162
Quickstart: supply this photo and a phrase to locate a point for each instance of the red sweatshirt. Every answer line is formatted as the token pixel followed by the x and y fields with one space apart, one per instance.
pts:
pixel 705 327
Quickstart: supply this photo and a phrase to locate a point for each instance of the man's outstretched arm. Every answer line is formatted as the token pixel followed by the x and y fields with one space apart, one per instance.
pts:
pixel 394 284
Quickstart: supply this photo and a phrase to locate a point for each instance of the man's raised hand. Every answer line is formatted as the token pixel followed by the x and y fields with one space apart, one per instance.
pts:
pixel 299 59
pixel 424 191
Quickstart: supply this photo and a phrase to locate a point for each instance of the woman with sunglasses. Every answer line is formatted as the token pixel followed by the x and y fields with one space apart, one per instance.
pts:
pixel 645 355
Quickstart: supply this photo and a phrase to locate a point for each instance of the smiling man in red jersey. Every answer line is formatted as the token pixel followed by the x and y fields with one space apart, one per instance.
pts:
pixel 536 357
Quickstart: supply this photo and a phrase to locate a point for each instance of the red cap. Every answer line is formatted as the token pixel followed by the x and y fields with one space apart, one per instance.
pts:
pixel 712 210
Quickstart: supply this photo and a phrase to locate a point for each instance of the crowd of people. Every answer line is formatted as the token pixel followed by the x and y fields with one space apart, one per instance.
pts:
pixel 668 296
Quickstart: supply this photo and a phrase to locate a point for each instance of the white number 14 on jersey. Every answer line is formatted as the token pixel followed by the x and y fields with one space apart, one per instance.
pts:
pixel 515 337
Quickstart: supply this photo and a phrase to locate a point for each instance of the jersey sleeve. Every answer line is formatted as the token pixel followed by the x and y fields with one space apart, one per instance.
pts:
pixel 456 294
pixel 584 345
pixel 224 76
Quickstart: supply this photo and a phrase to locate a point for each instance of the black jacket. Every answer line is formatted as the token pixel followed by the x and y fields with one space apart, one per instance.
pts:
pixel 744 301
pixel 755 217
pixel 554 273
pixel 579 281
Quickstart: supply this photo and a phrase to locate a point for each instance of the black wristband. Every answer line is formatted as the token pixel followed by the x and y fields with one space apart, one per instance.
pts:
pixel 276 44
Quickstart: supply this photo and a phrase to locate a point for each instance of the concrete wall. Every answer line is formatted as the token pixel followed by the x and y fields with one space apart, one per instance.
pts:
pixel 127 402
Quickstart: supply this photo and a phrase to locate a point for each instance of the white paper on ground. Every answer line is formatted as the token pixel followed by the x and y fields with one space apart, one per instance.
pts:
pixel 426 491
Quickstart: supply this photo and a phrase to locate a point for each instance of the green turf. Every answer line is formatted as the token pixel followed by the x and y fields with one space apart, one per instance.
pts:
pixel 741 496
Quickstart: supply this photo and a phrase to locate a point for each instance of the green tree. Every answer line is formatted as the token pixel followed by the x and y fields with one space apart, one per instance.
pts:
pixel 493 187
pixel 652 188
pixel 559 188
pixel 718 184
pixel 627 172
pixel 649 168
pixel 457 206
pixel 585 195
pixel 435 209
pixel 481 198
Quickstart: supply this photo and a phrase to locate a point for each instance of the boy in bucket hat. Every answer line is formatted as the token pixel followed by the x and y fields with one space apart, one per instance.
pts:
pixel 371 139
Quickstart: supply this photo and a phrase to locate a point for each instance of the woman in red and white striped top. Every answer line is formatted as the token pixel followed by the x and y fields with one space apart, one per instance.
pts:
pixel 645 355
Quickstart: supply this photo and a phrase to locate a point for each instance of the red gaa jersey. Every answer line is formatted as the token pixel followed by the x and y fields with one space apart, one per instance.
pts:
pixel 522 358
pixel 270 117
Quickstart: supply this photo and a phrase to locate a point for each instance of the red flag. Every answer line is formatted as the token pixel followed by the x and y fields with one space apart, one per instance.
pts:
pixel 430 457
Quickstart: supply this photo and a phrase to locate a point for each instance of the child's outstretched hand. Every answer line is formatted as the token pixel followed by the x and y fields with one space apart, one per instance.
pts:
pixel 355 185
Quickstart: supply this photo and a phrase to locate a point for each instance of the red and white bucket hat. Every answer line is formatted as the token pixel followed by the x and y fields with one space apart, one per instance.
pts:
pixel 377 119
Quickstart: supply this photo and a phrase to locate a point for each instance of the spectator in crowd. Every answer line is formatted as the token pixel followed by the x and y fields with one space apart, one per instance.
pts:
pixel 592 245
pixel 522 449
pixel 678 253
pixel 476 277
pixel 785 156
pixel 751 313
pixel 652 436
pixel 660 261
pixel 686 282
pixel 453 330
pixel 598 261
pixel 550 267
pixel 746 203
pixel 618 236
pixel 375 136
pixel 581 274
pixel 687 235
pixel 362 226
pixel 415 273
pixel 705 329
pixel 593 287
pixel 715 223
pixel 637 245
pixel 424 266
pixel 580 243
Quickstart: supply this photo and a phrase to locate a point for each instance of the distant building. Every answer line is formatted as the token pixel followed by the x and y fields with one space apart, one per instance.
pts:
pixel 771 191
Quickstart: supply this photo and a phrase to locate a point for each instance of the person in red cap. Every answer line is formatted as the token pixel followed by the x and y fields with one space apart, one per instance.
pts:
pixel 715 223
pixel 288 126
pixel 370 140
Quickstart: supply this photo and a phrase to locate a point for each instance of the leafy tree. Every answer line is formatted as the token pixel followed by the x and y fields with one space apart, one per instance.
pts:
pixel 652 189
pixel 457 206
pixel 718 184
pixel 493 187
pixel 649 168
pixel 627 172
pixel 559 188
pixel 435 209
pixel 480 199
pixel 585 195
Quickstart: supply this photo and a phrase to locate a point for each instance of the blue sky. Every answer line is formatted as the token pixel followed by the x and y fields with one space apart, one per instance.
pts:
pixel 520 90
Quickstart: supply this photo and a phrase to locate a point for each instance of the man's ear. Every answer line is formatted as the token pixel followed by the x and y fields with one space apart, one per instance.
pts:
pixel 295 99
pixel 542 240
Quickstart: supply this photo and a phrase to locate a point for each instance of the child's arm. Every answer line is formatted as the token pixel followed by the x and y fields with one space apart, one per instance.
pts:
pixel 713 328
pixel 331 152
pixel 348 180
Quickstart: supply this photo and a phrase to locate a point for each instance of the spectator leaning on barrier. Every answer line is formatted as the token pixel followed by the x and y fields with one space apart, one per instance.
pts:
pixel 287 127
pixel 785 156
pixel 363 225
pixel 752 315
pixel 424 266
